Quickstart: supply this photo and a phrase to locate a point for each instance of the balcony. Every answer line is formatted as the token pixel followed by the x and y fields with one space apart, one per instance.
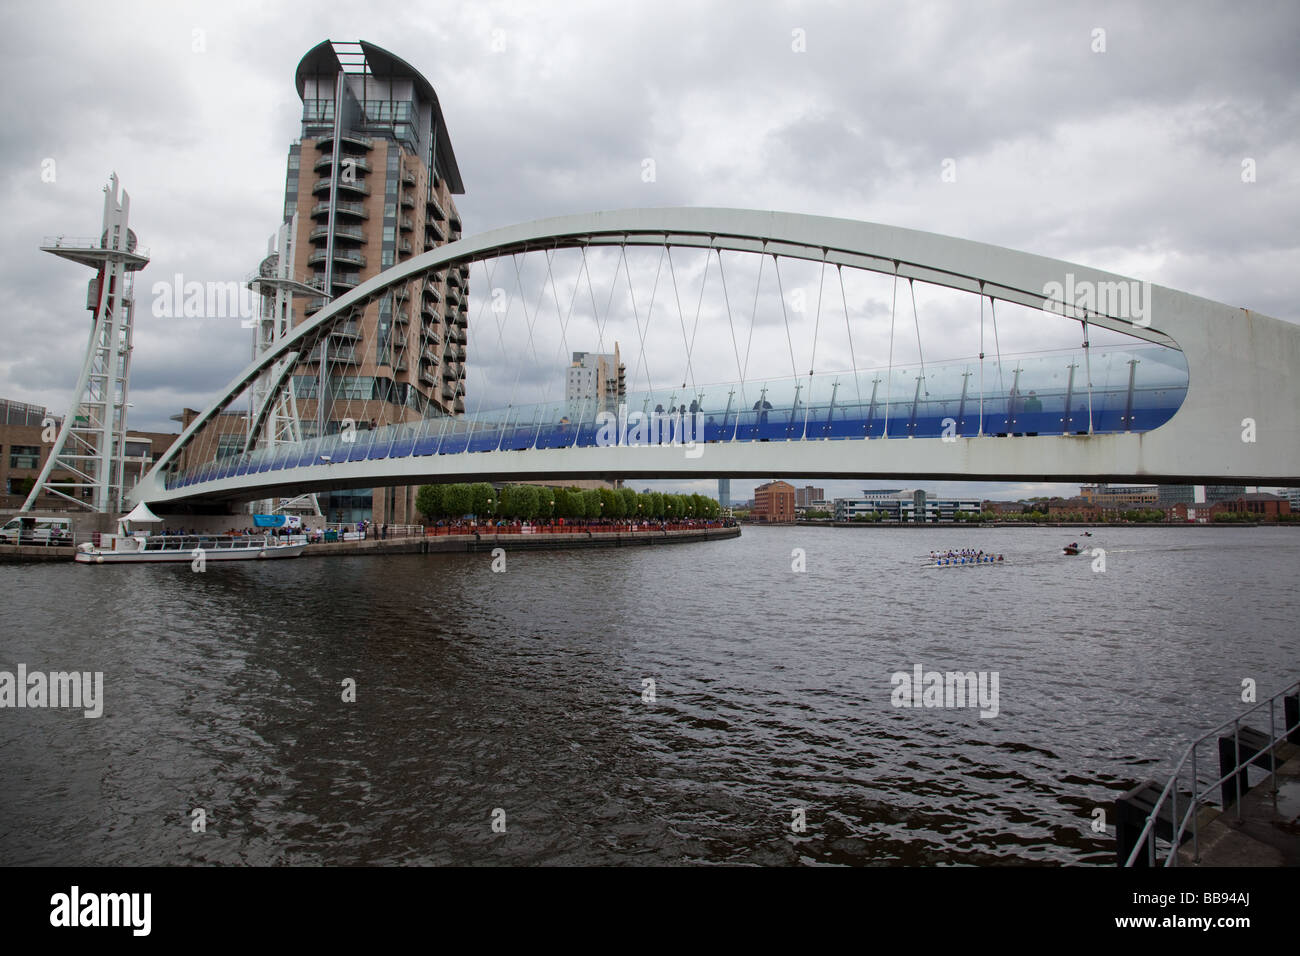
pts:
pixel 356 210
pixel 453 297
pixel 404 247
pixel 430 353
pixel 408 201
pixel 340 255
pixel 344 356
pixel 347 139
pixel 359 186
pixel 314 305
pixel 348 330
pixel 399 341
pixel 340 232
pixel 436 208
pixel 448 392
pixel 454 221
pixel 408 177
pixel 430 291
pixel 427 377
pixel 430 335
pixel 343 279
pixel 449 372
pixel 401 317
pixel 356 162
pixel 432 227
pixel 453 279
pixel 406 224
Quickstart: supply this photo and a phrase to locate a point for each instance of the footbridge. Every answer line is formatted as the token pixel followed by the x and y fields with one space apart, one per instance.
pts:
pixel 1153 384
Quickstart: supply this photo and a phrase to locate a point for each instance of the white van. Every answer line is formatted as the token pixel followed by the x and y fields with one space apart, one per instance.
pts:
pixel 28 529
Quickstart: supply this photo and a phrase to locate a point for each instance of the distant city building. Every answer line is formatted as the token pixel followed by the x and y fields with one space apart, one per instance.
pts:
pixel 1259 505
pixel 1293 496
pixel 1066 508
pixel 1169 495
pixel 774 502
pixel 596 376
pixel 724 492
pixel 805 496
pixel 1215 493
pixel 904 505
pixel 1121 496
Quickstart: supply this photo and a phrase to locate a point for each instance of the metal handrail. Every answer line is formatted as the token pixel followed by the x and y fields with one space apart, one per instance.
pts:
pixel 1198 796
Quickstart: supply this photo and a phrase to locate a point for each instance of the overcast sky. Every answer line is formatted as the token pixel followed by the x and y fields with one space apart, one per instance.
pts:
pixel 1128 159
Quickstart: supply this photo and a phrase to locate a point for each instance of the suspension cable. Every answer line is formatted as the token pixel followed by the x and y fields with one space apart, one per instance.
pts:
pixel 1002 385
pixel 848 325
pixel 981 294
pixel 1087 361
pixel 889 375
pixel 812 359
pixel 916 319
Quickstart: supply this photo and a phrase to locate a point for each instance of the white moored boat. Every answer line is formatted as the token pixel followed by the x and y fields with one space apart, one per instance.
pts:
pixel 141 548
pixel 136 547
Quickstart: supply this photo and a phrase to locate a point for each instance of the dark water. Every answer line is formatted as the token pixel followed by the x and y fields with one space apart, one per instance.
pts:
pixel 523 691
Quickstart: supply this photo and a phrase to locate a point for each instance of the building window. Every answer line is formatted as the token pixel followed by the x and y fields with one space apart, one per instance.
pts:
pixel 24 456
pixel 228 445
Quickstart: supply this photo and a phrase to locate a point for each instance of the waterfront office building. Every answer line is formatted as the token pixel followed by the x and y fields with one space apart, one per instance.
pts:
pixel 371 181
pixel 905 505
pixel 773 502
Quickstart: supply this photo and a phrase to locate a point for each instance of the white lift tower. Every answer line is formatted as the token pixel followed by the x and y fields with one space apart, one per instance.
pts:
pixel 86 464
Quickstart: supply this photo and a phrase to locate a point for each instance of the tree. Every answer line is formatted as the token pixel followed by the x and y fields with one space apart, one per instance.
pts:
pixel 629 502
pixel 482 499
pixel 530 499
pixel 608 503
pixel 561 509
pixel 428 501
pixel 656 505
pixel 590 504
pixel 508 506
pixel 545 502
pixel 457 499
